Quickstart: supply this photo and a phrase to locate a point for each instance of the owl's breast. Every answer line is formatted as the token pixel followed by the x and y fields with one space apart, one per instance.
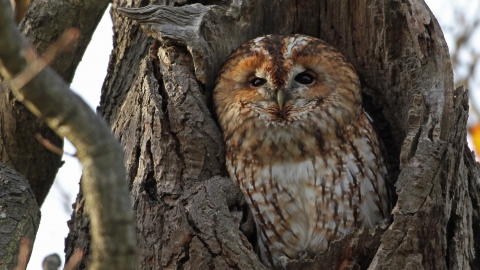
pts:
pixel 273 144
pixel 293 192
pixel 305 192
pixel 305 200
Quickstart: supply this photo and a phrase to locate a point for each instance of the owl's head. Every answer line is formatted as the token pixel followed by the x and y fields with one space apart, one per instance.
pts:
pixel 286 80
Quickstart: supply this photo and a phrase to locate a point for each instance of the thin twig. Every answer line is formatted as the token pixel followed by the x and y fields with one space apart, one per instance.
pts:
pixel 23 254
pixel 74 260
pixel 50 146
pixel 39 63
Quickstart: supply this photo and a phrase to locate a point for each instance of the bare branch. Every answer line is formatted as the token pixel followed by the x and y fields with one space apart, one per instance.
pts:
pixel 74 260
pixel 104 181
pixel 23 254
pixel 43 24
pixel 38 64
pixel 50 146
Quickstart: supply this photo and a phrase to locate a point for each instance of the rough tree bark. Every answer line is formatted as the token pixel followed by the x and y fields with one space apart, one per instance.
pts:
pixel 14 224
pixel 189 215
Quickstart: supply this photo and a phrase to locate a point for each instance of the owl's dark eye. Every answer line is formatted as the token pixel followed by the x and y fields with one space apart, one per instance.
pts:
pixel 304 78
pixel 257 82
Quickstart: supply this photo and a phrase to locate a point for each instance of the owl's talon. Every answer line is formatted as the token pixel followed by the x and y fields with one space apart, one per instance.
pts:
pixel 283 261
pixel 302 255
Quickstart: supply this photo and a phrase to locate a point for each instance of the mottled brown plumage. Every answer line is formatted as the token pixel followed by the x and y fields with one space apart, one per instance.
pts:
pixel 299 144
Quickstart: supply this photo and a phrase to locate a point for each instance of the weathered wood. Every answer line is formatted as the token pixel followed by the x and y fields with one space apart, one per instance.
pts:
pixel 173 148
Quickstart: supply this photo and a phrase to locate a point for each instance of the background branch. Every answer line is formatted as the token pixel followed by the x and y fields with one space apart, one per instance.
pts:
pixel 44 23
pixel 104 183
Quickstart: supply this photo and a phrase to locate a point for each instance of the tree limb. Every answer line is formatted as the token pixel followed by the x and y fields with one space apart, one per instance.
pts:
pixel 44 23
pixel 104 183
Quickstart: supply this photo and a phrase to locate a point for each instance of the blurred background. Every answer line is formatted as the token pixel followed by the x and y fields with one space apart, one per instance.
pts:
pixel 460 24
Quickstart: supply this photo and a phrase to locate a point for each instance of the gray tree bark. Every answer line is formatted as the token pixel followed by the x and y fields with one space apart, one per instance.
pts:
pixel 19 215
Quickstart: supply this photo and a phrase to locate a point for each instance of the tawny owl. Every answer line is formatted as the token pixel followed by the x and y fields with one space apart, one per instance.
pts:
pixel 299 144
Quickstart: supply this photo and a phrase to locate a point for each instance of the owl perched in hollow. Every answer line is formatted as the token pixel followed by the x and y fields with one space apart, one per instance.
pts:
pixel 299 144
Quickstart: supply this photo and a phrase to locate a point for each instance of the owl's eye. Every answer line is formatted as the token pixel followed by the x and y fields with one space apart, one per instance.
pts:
pixel 257 82
pixel 304 78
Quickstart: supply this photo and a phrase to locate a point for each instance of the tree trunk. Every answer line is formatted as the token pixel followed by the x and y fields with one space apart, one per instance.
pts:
pixel 156 98
pixel 19 215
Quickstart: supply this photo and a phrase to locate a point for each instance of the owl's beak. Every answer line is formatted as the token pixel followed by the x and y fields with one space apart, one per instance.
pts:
pixel 280 97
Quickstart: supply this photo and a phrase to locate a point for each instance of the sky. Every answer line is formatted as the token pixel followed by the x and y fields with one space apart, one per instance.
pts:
pixel 88 81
